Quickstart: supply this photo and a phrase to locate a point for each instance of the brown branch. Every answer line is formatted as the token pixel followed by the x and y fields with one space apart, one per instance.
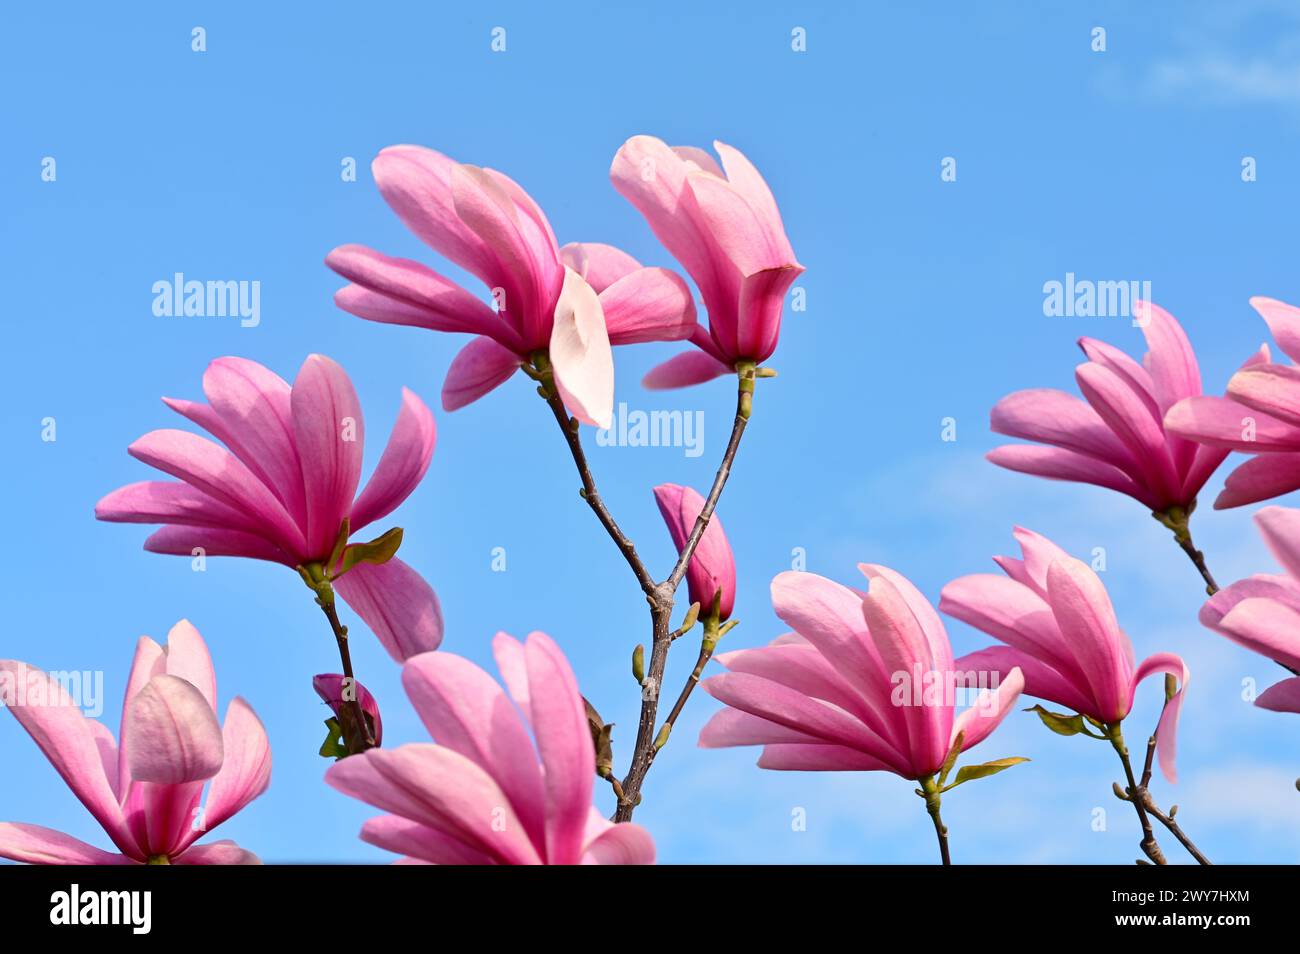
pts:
pixel 1148 844
pixel 541 372
pixel 648 741
pixel 1148 802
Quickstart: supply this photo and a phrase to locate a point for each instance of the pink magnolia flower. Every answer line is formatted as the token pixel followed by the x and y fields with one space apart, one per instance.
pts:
pixel 712 567
pixel 1260 416
pixel 1117 439
pixel 572 303
pixel 864 683
pixel 331 688
pixel 1262 612
pixel 485 794
pixel 722 224
pixel 147 791
pixel 284 483
pixel 1056 618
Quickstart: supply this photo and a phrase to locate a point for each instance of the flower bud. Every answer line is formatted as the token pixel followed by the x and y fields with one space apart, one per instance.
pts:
pixel 712 567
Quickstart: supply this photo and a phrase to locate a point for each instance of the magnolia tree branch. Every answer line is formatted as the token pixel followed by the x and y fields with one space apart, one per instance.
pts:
pixel 1150 847
pixel 1144 793
pixel 658 595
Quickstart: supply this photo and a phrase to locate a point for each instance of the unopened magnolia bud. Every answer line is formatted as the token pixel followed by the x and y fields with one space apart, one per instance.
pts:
pixel 638 664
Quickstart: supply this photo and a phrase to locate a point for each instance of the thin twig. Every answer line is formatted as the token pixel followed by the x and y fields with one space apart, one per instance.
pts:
pixel 929 790
pixel 548 390
pixel 1149 845
pixel 1148 802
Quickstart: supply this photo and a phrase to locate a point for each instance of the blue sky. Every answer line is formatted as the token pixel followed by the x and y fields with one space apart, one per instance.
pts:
pixel 924 301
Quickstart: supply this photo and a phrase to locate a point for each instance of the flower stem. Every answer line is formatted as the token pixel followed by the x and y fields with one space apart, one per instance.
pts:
pixel 357 734
pixel 1178 520
pixel 930 790
pixel 1148 844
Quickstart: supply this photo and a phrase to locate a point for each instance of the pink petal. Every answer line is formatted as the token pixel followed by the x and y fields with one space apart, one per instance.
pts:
pixel 786 757
pixel 762 296
pixel 253 404
pixel 439 788
pixel 150 660
pixel 187 657
pixel 580 353
pixel 1133 374
pixel 564 742
pixel 746 179
pixel 1170 358
pixel 1283 589
pixel 931 625
pixel 34 845
pixel 1167 729
pixel 1281 697
pixel 416 183
pixel 649 304
pixel 464 709
pixel 600 265
pixel 1041 680
pixel 330 433
pixel 684 370
pixel 728 728
pixel 625 844
pixel 1260 478
pixel 169 501
pixel 246 771
pixel 183 541
pixel 513 665
pixel 216 853
pixel 829 616
pixel 1266 627
pixel 402 466
pixel 1057 464
pixel 1272 389
pixel 1283 321
pixel 907 653
pixel 68 740
pixel 1126 415
pixel 804 669
pixel 1280 527
pixel 1220 422
pixel 405 837
pixel 1062 420
pixel 403 292
pixel 1011 612
pixel 397 604
pixel 222 476
pixel 479 367
pixel 990 708
pixel 529 275
pixel 653 178
pixel 172 733
pixel 1087 622
pixel 793 710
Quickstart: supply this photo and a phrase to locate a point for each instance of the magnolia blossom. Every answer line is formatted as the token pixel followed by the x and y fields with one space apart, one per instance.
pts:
pixel 1260 415
pixel 722 224
pixel 486 794
pixel 571 303
pixel 1056 618
pixel 866 682
pixel 285 482
pixel 712 569
pixel 1117 439
pixel 146 788
pixel 335 692
pixel 1262 612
